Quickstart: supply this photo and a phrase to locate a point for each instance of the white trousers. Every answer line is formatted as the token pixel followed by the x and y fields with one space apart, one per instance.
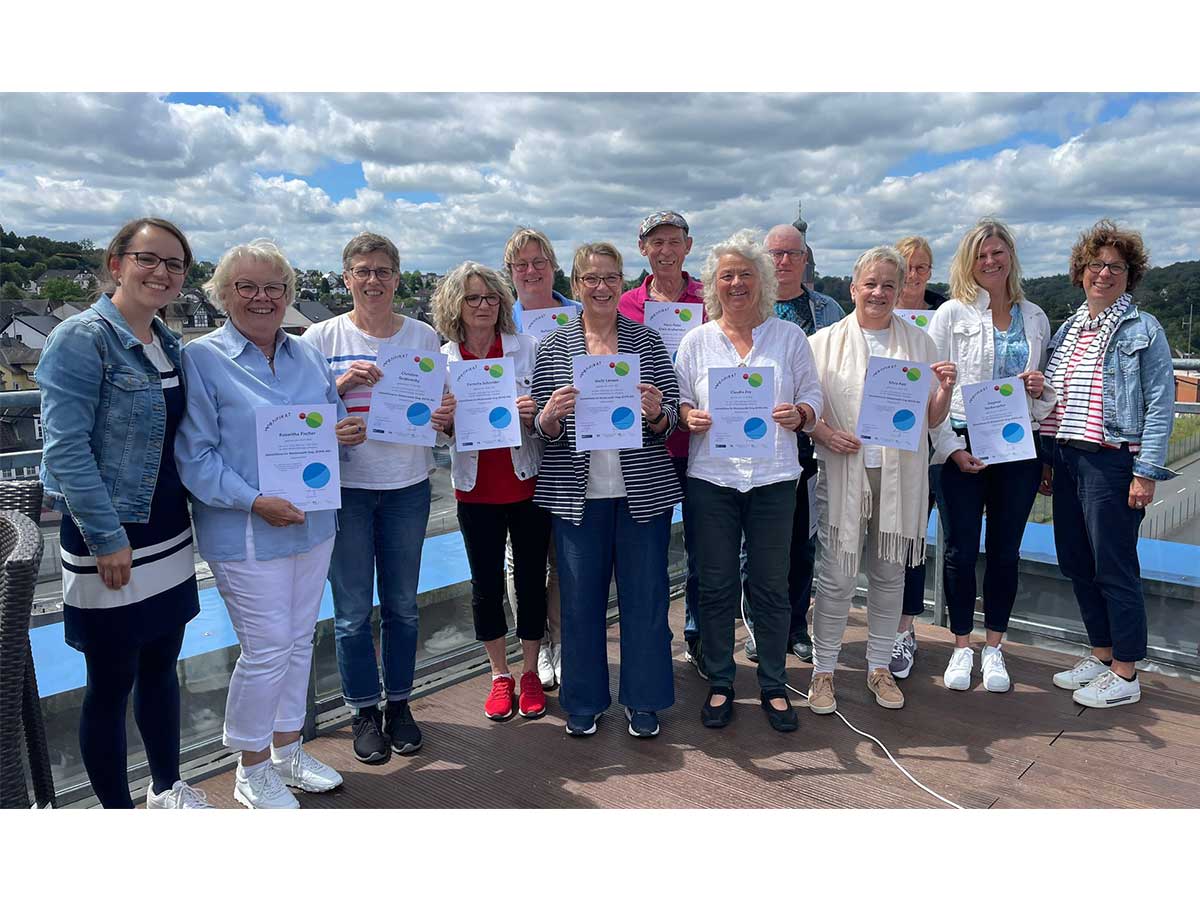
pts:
pixel 835 591
pixel 273 606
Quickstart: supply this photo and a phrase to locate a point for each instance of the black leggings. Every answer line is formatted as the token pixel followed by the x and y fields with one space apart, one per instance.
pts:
pixel 148 670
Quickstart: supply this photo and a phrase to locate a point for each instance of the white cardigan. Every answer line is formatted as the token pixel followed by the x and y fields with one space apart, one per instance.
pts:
pixel 464 464
pixel 964 335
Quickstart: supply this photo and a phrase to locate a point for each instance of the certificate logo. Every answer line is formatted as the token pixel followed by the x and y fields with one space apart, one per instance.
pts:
pixel 424 363
pixel 911 374
pixel 315 475
pixel 1012 432
pixel 755 428
pixel 921 320
pixel 621 368
pixel 495 370
pixel 419 414
pixel 685 315
pixel 753 379
pixel 561 319
pixel 312 419
pixel 1005 390
pixel 622 416
pixel 905 419
pixel 500 417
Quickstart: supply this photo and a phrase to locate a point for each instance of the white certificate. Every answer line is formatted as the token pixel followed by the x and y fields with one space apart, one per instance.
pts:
pixel 298 455
pixel 918 317
pixel 608 410
pixel 485 417
pixel 541 322
pixel 998 420
pixel 894 402
pixel 404 399
pixel 673 320
pixel 740 401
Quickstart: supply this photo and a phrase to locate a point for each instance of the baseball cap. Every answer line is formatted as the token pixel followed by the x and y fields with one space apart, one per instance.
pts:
pixel 662 217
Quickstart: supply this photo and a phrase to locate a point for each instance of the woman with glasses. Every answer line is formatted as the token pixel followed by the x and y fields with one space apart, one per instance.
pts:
pixel 611 508
pixel 494 488
pixel 269 558
pixel 385 509
pixel 112 399
pixel 1110 365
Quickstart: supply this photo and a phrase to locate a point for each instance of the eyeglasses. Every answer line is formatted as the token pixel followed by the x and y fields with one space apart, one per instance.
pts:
pixel 539 264
pixel 477 300
pixel 248 290
pixel 920 270
pixel 593 281
pixel 147 260
pixel 362 273
pixel 777 255
pixel 1096 267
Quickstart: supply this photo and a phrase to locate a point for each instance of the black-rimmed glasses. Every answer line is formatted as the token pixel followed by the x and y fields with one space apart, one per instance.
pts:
pixel 593 281
pixel 147 260
pixel 363 273
pixel 790 254
pixel 476 300
pixel 248 290
pixel 1096 267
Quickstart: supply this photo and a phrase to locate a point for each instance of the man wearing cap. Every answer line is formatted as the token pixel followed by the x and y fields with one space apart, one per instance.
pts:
pixel 663 239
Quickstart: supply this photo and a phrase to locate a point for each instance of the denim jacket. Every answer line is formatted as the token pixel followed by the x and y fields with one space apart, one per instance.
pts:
pixel 104 419
pixel 825 309
pixel 1139 389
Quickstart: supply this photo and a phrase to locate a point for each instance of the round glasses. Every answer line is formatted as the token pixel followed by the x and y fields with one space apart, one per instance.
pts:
pixel 248 290
pixel 539 264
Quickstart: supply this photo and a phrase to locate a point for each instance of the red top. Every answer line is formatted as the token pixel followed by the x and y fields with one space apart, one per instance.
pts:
pixel 495 480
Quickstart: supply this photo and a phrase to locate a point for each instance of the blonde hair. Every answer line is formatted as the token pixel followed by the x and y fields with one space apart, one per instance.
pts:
pixel 447 302
pixel 585 252
pixel 258 250
pixel 882 254
pixel 521 238
pixel 962 267
pixel 747 245
pixel 911 244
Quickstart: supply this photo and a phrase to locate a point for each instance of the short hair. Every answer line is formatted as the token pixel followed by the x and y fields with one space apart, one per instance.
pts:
pixel 881 254
pixel 520 238
pixel 259 250
pixel 585 252
pixel 962 267
pixel 789 230
pixel 447 302
pixel 370 243
pixel 911 244
pixel 123 238
pixel 748 246
pixel 1106 233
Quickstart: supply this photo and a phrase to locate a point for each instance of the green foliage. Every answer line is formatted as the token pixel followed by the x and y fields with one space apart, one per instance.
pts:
pixel 10 291
pixel 634 282
pixel 14 273
pixel 60 289
pixel 562 283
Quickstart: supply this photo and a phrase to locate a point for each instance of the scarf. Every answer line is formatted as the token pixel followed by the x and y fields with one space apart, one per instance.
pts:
pixel 1074 405
pixel 841 357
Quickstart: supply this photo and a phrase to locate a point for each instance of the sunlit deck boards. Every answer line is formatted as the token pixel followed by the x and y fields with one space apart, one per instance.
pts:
pixel 1030 748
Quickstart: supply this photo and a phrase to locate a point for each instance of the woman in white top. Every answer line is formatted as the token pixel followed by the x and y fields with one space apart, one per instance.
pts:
pixel 865 491
pixel 753 494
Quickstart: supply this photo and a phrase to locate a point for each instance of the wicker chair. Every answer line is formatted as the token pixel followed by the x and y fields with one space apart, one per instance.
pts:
pixel 20 705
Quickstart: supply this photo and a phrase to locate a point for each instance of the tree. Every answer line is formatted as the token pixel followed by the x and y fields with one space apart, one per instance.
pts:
pixel 562 283
pixel 11 291
pixel 60 289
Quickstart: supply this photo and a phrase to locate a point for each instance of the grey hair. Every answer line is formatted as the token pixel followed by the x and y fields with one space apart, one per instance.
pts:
pixel 370 243
pixel 447 300
pixel 882 253
pixel 748 246
pixel 258 250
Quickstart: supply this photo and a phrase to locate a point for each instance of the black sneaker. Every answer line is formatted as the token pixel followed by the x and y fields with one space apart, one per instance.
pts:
pixel 695 655
pixel 401 730
pixel 802 646
pixel 370 746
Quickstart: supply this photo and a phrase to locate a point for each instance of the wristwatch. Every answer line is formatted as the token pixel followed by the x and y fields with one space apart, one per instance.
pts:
pixel 662 414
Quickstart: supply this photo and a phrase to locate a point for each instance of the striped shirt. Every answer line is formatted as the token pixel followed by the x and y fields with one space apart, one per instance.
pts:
pixel 650 482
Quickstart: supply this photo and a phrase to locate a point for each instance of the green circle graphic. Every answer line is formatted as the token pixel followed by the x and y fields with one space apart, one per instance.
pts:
pixel 622 368
pixel 495 370
pixel 313 420
pixel 426 364
pixel 755 380
pixel 914 374
pixel 1006 390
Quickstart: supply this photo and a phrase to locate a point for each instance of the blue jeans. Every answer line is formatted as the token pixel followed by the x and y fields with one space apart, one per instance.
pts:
pixel 378 532
pixel 691 593
pixel 609 539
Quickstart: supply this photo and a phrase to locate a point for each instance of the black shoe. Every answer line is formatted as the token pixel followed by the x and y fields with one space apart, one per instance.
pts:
pixel 370 746
pixel 802 646
pixel 695 655
pixel 401 730
pixel 780 719
pixel 717 716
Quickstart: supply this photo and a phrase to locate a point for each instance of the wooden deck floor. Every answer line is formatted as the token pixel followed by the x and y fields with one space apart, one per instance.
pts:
pixel 1031 747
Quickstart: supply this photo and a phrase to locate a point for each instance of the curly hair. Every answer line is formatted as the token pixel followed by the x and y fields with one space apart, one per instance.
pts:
pixel 1106 233
pixel 748 246
pixel 447 303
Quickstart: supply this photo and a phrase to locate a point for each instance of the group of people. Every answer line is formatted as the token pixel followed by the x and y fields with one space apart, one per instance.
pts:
pixel 138 427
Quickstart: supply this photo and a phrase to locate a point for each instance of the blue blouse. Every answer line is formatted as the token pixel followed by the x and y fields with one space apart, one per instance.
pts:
pixel 1012 349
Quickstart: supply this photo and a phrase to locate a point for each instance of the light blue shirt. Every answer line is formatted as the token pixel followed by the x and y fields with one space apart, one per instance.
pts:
pixel 227 377
pixel 562 301
pixel 1011 347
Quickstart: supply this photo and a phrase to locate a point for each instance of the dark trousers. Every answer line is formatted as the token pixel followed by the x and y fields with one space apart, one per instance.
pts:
pixel 1096 534
pixel 485 529
pixel 691 595
pixel 607 540
pixel 1006 491
pixel 914 576
pixel 762 517
pixel 149 672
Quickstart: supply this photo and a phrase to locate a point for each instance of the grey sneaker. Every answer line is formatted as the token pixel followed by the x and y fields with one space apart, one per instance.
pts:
pixel 904 652
pixel 751 648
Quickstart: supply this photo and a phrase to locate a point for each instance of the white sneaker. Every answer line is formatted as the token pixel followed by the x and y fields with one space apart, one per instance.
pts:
pixel 302 771
pixel 558 661
pixel 545 667
pixel 181 795
pixel 1110 689
pixel 995 675
pixel 1084 672
pixel 958 672
pixel 261 788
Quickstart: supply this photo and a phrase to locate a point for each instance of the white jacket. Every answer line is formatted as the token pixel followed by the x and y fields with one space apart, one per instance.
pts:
pixel 964 335
pixel 464 464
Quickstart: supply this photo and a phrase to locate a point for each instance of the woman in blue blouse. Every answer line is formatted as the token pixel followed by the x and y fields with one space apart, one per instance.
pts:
pixel 269 558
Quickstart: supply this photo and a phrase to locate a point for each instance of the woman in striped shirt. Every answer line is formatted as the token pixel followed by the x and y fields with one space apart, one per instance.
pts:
pixel 611 508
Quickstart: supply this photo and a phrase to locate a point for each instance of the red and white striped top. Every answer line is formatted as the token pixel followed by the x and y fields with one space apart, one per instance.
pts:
pixel 1079 415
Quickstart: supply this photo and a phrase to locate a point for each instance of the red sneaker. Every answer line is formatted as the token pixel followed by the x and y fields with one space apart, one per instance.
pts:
pixel 533 697
pixel 499 703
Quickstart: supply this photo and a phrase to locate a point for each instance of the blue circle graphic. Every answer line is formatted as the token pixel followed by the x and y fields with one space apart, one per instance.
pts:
pixel 316 475
pixel 622 417
pixel 904 419
pixel 419 414
pixel 1013 432
pixel 500 417
pixel 756 429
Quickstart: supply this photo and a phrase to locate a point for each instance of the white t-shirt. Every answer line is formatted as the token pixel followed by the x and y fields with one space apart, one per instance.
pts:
pixel 605 479
pixel 373 465
pixel 877 345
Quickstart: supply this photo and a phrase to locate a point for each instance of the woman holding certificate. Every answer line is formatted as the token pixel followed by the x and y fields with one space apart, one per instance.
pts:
pixel 606 400
pixel 268 557
pixel 993 333
pixel 494 486
pixel 747 385
pixel 872 489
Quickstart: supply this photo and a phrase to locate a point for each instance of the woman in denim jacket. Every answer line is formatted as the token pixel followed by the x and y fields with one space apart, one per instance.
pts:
pixel 1111 366
pixel 111 401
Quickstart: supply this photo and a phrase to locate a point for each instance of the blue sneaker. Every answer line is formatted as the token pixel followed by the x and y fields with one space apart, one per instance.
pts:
pixel 581 726
pixel 642 724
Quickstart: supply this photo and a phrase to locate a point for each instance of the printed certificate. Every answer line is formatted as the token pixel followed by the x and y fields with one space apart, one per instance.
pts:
pixel 485 417
pixel 740 400
pixel 404 399
pixel 998 420
pixel 541 322
pixel 918 317
pixel 895 401
pixel 608 410
pixel 673 320
pixel 298 455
